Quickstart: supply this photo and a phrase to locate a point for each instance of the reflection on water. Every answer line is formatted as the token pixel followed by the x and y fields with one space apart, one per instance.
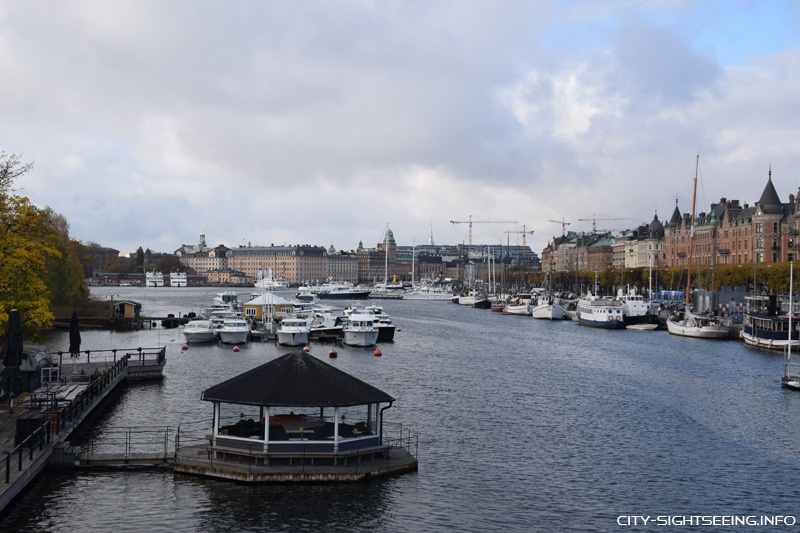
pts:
pixel 524 425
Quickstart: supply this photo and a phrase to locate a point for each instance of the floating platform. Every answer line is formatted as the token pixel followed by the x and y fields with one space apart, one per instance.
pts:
pixel 282 468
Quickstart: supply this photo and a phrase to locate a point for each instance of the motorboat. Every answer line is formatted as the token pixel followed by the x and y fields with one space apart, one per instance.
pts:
pixel 360 330
pixel 234 331
pixel 200 331
pixel 429 293
pixel 293 331
pixel 340 291
pixel 325 326
pixel 600 312
pixel 272 283
pixel 765 326
pixel 225 304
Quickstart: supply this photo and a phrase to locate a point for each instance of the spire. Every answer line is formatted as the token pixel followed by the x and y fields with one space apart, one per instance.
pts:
pixel 675 219
pixel 202 238
pixel 430 235
pixel 770 202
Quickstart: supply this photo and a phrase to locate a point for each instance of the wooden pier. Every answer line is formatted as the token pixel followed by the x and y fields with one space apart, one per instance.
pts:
pixel 35 433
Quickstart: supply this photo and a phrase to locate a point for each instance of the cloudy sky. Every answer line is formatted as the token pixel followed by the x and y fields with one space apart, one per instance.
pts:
pixel 319 122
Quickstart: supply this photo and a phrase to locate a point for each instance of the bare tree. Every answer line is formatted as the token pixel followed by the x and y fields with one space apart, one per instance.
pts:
pixel 11 167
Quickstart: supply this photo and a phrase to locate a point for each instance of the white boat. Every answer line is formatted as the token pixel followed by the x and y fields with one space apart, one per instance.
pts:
pixel 234 331
pixel 225 305
pixel 689 324
pixel 340 291
pixel 200 331
pixel 360 330
pixel 177 279
pixel 271 283
pixel 600 312
pixel 634 309
pixel 293 331
pixel 642 327
pixel 547 308
pixel 519 305
pixel 325 325
pixel 699 326
pixel 154 279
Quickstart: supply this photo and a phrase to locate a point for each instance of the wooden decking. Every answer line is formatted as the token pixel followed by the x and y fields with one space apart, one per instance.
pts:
pixel 355 466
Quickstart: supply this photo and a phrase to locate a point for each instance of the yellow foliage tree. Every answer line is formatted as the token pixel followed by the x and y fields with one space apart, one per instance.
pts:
pixel 24 251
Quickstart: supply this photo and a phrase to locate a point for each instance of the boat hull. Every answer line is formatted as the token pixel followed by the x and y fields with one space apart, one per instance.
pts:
pixel 360 338
pixel 548 312
pixel 233 337
pixel 352 295
pixel 605 324
pixel 700 332
pixel 292 338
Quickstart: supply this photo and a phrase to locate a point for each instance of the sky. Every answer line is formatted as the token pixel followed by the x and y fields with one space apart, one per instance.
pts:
pixel 320 122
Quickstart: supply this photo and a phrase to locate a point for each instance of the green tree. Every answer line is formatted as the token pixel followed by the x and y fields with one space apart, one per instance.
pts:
pixel 139 259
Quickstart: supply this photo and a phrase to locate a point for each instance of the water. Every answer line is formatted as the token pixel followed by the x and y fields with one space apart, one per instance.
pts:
pixel 524 425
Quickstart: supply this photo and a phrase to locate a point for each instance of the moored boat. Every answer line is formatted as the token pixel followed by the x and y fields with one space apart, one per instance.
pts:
pixel 293 331
pixel 234 331
pixel 360 330
pixel 600 312
pixel 200 331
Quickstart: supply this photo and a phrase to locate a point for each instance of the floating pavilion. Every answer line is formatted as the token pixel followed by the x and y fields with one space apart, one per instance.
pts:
pixel 299 419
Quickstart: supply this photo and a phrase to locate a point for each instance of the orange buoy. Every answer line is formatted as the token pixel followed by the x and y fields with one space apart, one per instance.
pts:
pixel 235 348
pixel 377 353
pixel 332 354
pixel 185 347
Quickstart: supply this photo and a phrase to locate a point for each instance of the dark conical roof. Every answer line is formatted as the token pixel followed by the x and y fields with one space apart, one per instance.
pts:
pixel 676 218
pixel 656 229
pixel 770 202
pixel 297 379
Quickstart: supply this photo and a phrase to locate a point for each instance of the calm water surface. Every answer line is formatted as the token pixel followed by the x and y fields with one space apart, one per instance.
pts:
pixel 524 425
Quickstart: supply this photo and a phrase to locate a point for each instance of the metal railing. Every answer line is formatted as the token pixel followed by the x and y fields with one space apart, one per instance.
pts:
pixel 57 419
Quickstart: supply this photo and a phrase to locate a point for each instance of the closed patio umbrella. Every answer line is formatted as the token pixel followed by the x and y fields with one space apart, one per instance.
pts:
pixel 12 356
pixel 74 340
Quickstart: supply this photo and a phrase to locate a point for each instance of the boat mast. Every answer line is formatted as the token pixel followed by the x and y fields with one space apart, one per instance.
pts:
pixel 791 311
pixel 386 258
pixel 691 235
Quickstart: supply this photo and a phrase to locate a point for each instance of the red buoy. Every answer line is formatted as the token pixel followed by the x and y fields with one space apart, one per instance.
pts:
pixel 332 354
pixel 398 329
pixel 377 353
pixel 185 347
pixel 235 348
pixel 306 349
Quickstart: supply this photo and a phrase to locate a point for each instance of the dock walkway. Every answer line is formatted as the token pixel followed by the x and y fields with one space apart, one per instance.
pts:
pixel 36 431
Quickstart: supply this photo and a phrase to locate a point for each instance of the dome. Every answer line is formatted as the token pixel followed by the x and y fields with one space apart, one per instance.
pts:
pixel 656 229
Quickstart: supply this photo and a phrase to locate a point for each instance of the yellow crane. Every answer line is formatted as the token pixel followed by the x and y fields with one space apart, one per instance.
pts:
pixel 476 220
pixel 563 223
pixel 595 218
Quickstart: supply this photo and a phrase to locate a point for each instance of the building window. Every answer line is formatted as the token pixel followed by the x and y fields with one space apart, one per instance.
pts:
pixel 759 227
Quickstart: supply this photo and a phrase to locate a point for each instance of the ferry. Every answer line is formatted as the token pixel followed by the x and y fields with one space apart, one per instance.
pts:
pixel 600 312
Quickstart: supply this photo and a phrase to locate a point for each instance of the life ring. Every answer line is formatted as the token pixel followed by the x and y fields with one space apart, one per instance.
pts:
pixel 610 318
pixel 617 318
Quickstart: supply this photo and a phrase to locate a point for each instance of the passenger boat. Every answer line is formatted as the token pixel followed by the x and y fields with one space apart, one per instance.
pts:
pixel 791 369
pixel 360 330
pixel 154 279
pixel 177 279
pixel 293 331
pixel 200 331
pixel 234 331
pixel 767 327
pixel 634 309
pixel 600 312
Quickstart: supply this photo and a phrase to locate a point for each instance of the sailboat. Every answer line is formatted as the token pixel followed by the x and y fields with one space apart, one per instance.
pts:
pixel 791 370
pixel 690 324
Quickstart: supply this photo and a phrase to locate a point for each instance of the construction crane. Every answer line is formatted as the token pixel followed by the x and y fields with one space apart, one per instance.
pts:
pixel 595 218
pixel 470 221
pixel 524 232
pixel 563 223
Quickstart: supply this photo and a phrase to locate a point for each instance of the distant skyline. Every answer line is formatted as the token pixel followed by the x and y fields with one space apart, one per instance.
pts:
pixel 298 122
